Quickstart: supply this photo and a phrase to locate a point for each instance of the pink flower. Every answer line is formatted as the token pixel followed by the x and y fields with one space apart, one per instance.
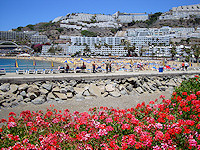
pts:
pixel 102 132
pixel 162 96
pixel 11 124
pixel 126 126
pixel 109 128
pixel 108 120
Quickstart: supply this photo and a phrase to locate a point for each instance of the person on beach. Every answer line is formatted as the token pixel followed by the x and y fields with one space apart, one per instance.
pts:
pixel 93 67
pixel 110 66
pixel 107 64
pixel 186 65
pixel 67 68
pixel 183 65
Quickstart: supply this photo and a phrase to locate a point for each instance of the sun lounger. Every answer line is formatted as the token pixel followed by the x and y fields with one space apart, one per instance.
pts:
pixel 20 71
pixel 39 71
pixel 31 71
pixel 47 71
pixel 2 71
pixel 55 71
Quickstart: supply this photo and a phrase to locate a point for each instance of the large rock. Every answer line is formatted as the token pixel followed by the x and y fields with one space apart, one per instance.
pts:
pixel 79 90
pixel 69 89
pixel 171 83
pixel 31 96
pixel 115 94
pixel 86 93
pixel 69 95
pixel 13 88
pixel 39 100
pixel 124 92
pixel 63 90
pixel 26 100
pixel 129 87
pixel 23 87
pixel 109 88
pixel 47 86
pixel 139 90
pixel 60 96
pixel 44 91
pixel 32 88
pixel 51 96
pixel 23 93
pixel 5 87
pixel 56 89
pixel 20 98
pixel 94 90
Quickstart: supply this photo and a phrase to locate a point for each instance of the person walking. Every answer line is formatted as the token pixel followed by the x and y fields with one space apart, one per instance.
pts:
pixel 110 66
pixel 183 65
pixel 67 68
pixel 93 67
pixel 186 65
pixel 107 64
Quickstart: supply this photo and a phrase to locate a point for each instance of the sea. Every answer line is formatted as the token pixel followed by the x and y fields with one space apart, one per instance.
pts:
pixel 10 64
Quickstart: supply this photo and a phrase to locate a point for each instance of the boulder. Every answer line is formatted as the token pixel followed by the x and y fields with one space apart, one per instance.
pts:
pixel 26 100
pixel 124 92
pixel 115 94
pixel 109 88
pixel 129 87
pixel 23 93
pixel 31 96
pixel 79 90
pixel 69 95
pixel 56 89
pixel 19 98
pixel 51 96
pixel 63 90
pixel 39 100
pixel 5 87
pixel 23 87
pixel 171 83
pixel 47 86
pixel 32 89
pixel 14 104
pixel 94 90
pixel 13 88
pixel 69 89
pixel 139 90
pixel 86 93
pixel 105 94
pixel 44 91
pixel 60 96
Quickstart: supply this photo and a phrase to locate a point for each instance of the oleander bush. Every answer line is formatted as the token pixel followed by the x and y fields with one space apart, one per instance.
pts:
pixel 173 124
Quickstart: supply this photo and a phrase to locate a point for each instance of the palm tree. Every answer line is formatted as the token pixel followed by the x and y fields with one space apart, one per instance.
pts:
pixel 196 52
pixel 173 52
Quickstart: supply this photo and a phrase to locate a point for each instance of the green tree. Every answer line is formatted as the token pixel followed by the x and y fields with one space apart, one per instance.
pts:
pixel 196 52
pixel 88 33
pixel 173 52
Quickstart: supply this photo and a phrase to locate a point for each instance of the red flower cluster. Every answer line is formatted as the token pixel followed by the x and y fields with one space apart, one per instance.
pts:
pixel 173 124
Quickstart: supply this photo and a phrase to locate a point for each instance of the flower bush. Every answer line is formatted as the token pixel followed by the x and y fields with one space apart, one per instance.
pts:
pixel 173 124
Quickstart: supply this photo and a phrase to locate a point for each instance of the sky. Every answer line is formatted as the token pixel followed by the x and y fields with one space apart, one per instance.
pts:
pixel 15 13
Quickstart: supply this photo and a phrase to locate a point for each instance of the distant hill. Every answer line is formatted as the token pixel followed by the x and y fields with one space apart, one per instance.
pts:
pixel 53 29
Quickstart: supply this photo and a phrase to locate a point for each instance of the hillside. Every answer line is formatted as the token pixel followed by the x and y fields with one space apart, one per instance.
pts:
pixel 53 30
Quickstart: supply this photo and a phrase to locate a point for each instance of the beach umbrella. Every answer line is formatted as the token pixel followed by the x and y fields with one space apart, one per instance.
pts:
pixel 16 64
pixel 34 63
pixel 52 65
pixel 69 62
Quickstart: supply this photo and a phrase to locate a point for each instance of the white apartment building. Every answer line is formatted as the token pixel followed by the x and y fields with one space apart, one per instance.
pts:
pixel 39 39
pixel 91 41
pixel 181 12
pixel 105 51
pixel 149 40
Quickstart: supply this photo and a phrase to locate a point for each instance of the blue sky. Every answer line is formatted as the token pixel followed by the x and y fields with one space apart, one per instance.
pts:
pixel 15 13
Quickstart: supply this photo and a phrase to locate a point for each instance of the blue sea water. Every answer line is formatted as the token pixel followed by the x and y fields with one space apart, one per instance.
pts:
pixel 9 64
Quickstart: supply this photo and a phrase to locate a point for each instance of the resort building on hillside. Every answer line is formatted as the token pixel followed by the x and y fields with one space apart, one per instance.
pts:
pixel 184 12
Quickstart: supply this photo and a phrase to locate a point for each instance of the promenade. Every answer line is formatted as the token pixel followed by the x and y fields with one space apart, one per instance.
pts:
pixel 15 78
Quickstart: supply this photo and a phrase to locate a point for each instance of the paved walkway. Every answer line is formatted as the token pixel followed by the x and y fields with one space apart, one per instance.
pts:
pixel 13 77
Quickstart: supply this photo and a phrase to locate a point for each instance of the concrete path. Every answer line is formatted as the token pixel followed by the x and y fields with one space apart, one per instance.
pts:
pixel 15 78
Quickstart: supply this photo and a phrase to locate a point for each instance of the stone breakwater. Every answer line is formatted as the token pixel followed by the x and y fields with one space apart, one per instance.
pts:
pixel 39 92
